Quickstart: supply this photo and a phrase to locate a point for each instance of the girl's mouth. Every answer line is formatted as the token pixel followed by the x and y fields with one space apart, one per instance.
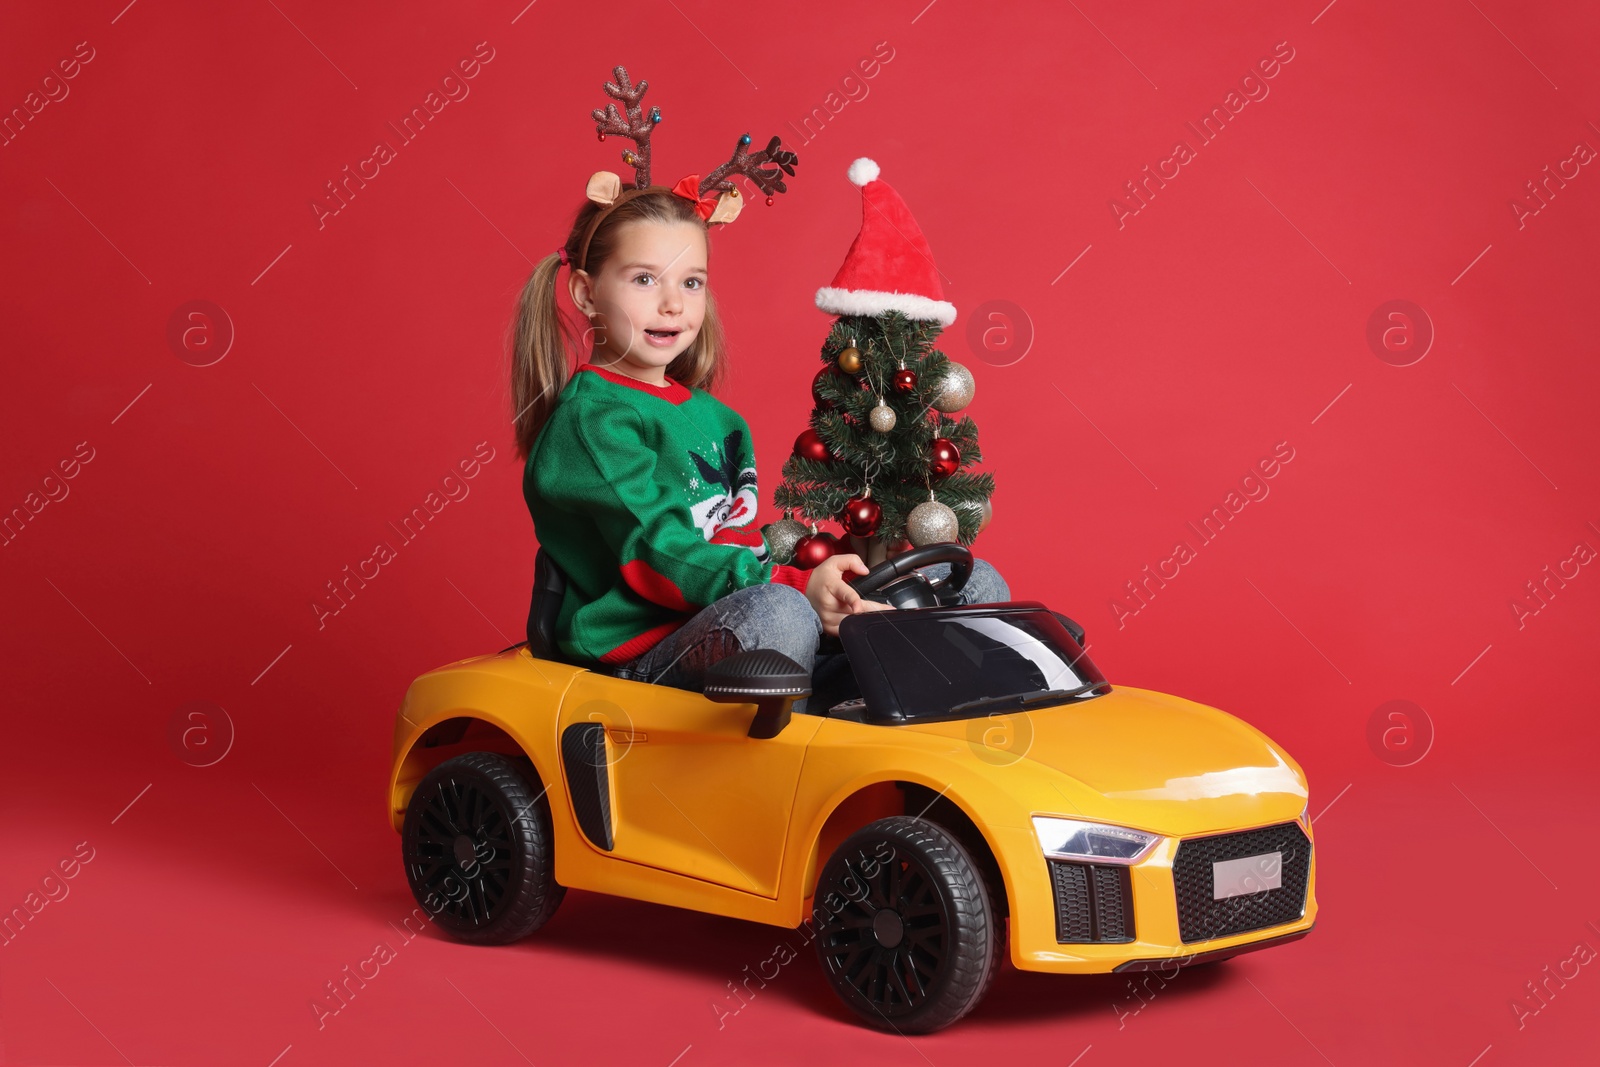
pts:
pixel 661 338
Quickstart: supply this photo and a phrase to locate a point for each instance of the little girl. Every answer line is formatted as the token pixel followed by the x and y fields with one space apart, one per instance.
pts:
pixel 642 486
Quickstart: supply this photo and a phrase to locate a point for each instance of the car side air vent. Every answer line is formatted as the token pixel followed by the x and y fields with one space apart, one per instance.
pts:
pixel 583 754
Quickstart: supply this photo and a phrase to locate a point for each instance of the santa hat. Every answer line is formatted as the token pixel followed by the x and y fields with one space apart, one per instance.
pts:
pixel 889 267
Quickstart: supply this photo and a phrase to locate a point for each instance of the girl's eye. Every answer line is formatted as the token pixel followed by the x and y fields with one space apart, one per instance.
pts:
pixel 696 283
pixel 646 277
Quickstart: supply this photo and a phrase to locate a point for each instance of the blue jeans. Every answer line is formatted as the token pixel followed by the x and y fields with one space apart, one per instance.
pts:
pixel 778 617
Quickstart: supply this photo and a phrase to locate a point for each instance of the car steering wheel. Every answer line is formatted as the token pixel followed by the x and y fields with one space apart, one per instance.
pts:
pixel 896 581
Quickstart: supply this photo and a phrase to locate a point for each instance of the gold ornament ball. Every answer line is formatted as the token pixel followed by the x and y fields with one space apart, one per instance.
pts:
pixel 850 360
pixel 956 388
pixel 931 522
pixel 882 417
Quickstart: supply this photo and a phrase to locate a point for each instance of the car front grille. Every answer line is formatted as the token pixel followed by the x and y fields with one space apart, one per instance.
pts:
pixel 1201 917
pixel 1094 902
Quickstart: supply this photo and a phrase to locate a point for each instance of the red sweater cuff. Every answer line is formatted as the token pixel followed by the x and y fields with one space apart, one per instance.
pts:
pixel 783 574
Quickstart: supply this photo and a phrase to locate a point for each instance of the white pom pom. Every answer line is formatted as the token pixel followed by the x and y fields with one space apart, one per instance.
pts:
pixel 863 171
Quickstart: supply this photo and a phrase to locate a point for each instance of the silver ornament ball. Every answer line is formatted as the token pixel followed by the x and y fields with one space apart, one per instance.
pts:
pixel 931 522
pixel 882 417
pixel 782 536
pixel 956 389
pixel 983 511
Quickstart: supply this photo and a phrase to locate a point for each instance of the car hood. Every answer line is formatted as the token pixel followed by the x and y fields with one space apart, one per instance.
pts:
pixel 1141 758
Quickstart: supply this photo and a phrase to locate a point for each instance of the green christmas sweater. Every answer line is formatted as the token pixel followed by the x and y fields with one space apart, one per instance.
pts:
pixel 645 496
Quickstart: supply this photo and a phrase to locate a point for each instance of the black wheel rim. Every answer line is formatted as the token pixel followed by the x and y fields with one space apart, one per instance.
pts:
pixel 888 948
pixel 459 856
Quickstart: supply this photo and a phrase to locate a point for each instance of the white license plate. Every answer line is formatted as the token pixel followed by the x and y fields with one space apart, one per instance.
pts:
pixel 1248 874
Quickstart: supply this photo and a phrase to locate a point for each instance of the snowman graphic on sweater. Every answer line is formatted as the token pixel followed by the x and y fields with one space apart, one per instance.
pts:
pixel 723 499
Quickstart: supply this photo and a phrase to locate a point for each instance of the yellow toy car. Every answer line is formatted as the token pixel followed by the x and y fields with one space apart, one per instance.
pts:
pixel 988 790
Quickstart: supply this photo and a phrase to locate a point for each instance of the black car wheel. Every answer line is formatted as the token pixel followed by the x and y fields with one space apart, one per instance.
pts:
pixel 906 932
pixel 478 849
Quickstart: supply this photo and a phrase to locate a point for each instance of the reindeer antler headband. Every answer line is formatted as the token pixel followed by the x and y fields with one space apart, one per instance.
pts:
pixel 606 188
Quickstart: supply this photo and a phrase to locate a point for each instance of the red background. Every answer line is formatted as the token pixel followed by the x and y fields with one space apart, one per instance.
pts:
pixel 1228 315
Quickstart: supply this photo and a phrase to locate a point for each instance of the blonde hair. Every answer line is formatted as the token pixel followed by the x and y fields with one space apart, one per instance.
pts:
pixel 544 350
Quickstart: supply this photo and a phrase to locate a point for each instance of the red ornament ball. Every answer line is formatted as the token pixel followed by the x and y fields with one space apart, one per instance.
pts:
pixel 809 446
pixel 905 380
pixel 860 516
pixel 813 548
pixel 816 387
pixel 943 457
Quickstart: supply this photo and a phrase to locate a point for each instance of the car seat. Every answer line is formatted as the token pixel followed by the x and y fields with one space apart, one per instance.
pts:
pixel 549 587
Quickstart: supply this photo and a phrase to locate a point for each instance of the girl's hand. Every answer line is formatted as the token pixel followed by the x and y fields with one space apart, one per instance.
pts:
pixel 833 597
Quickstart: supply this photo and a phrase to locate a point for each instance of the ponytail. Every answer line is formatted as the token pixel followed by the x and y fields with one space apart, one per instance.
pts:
pixel 540 365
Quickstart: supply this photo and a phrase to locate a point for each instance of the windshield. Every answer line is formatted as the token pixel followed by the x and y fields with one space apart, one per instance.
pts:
pixel 967 662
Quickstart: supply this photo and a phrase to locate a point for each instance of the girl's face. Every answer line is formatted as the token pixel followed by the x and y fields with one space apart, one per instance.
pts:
pixel 650 297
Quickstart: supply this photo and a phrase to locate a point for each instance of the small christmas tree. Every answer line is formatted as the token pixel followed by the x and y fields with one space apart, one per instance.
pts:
pixel 882 456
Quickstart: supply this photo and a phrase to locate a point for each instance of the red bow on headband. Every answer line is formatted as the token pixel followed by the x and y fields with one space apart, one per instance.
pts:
pixel 688 187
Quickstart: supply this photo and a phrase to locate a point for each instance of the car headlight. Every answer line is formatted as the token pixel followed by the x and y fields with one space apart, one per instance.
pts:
pixel 1091 842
